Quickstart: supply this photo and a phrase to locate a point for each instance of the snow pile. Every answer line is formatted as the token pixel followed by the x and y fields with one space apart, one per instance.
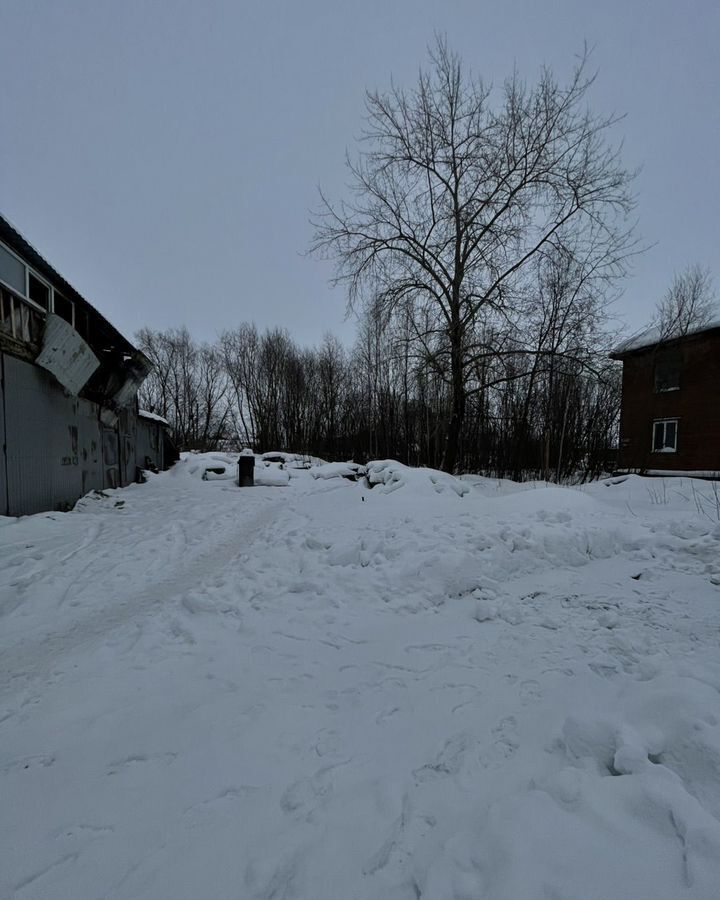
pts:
pixel 638 783
pixel 293 460
pixel 271 476
pixel 329 692
pixel 393 475
pixel 207 466
pixel 224 467
pixel 349 470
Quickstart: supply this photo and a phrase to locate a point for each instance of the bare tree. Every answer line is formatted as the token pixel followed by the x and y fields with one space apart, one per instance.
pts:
pixel 453 198
pixel 187 385
pixel 689 303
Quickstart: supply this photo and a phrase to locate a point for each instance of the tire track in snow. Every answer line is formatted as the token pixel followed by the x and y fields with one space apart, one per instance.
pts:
pixel 29 660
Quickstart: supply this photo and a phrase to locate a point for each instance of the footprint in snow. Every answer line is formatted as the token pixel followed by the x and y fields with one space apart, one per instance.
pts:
pixel 504 743
pixel 135 759
pixel 529 691
pixel 386 714
pixel 447 763
pixel 402 843
pixel 328 743
pixel 304 796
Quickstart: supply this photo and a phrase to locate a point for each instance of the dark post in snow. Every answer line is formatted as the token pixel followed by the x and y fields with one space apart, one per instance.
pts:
pixel 246 469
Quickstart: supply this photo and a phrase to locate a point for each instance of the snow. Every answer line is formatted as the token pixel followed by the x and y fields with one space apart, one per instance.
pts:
pixel 271 476
pixel 648 337
pixel 215 466
pixel 294 460
pixel 393 475
pixel 690 473
pixel 144 414
pixel 338 470
pixel 342 691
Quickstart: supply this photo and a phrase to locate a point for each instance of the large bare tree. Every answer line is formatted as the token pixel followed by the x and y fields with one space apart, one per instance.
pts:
pixel 690 302
pixel 456 191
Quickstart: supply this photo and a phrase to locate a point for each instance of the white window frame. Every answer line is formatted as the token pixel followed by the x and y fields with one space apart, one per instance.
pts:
pixel 664 423
pixel 11 287
pixel 25 297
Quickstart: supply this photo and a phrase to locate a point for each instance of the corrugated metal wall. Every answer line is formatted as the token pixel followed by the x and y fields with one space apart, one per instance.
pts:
pixel 149 443
pixel 56 448
pixel 3 465
pixel 39 444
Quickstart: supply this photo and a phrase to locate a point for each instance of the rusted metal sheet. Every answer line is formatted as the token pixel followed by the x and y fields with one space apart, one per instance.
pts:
pixel 66 355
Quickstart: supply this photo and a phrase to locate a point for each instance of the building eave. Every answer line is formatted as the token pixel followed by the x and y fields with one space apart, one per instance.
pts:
pixel 23 248
pixel 651 340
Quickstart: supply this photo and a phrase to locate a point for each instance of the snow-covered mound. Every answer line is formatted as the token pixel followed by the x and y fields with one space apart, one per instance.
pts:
pixel 271 475
pixel 224 467
pixel 332 691
pixel 393 475
pixel 293 460
pixel 349 470
pixel 207 466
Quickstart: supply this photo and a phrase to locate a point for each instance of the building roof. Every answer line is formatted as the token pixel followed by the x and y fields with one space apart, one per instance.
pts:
pixel 153 417
pixel 651 337
pixel 12 237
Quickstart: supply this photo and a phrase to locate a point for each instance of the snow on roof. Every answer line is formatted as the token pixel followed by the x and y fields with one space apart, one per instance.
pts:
pixel 144 414
pixel 654 335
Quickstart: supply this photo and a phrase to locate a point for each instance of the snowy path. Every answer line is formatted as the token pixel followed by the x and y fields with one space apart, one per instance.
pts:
pixel 329 692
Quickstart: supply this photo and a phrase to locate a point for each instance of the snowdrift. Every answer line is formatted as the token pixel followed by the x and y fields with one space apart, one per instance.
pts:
pixel 388 475
pixel 509 693
pixel 393 476
pixel 224 467
pixel 349 470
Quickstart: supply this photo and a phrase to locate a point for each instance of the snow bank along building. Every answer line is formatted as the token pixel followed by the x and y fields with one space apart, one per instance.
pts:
pixel 69 419
pixel 670 413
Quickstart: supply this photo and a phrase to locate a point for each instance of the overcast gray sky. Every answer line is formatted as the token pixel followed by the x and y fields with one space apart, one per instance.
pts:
pixel 163 156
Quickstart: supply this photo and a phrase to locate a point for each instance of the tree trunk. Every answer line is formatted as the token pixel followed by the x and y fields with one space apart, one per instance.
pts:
pixel 457 417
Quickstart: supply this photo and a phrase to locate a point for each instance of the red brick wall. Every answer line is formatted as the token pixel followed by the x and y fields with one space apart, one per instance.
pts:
pixel 696 405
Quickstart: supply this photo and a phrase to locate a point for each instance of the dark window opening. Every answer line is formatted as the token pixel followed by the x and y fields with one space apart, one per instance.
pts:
pixel 665 436
pixel 38 292
pixel 6 312
pixel 81 324
pixel 667 372
pixel 63 307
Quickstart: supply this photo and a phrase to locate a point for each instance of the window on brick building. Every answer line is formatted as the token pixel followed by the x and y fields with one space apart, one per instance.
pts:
pixel 665 436
pixel 667 372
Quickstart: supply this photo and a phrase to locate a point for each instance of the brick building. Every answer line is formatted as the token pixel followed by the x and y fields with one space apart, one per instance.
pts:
pixel 670 415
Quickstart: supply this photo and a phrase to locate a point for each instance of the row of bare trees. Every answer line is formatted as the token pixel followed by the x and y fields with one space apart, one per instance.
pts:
pixel 527 415
pixel 484 236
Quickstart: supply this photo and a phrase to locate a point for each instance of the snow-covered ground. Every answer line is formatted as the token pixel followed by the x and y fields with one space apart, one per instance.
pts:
pixel 429 689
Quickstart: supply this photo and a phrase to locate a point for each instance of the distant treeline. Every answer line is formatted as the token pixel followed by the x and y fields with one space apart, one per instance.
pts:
pixel 548 413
